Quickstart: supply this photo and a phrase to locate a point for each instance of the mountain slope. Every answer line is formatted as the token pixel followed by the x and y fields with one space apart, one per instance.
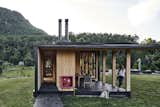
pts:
pixel 13 23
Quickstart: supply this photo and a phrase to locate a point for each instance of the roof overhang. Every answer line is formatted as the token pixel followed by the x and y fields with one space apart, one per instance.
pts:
pixel 100 46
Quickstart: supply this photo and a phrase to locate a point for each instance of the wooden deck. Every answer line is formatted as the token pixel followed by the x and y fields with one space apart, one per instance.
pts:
pixel 96 88
pixel 99 86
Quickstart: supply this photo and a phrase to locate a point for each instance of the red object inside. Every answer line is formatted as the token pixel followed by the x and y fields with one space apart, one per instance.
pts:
pixel 66 81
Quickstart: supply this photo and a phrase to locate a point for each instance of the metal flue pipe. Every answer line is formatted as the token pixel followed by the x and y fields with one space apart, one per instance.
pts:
pixel 60 29
pixel 66 30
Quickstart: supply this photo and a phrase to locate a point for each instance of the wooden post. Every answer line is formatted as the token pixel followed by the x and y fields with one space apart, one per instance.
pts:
pixel 113 68
pixel 39 70
pixel 128 67
pixel 97 66
pixel 104 66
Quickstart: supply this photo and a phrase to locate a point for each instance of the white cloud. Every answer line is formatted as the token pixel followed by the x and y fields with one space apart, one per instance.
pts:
pixel 143 12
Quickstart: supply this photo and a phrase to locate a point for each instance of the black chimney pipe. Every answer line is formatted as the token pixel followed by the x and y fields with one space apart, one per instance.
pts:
pixel 60 29
pixel 66 30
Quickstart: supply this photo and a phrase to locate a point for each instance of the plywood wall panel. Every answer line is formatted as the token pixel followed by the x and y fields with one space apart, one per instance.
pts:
pixel 66 66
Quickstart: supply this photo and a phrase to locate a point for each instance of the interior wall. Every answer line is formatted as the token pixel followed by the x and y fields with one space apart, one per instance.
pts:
pixel 66 66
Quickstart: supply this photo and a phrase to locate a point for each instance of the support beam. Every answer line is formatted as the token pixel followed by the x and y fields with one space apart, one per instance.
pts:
pixel 113 68
pixel 97 66
pixel 104 66
pixel 128 67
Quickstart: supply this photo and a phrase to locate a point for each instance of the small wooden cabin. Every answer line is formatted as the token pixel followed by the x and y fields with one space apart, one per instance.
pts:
pixel 63 66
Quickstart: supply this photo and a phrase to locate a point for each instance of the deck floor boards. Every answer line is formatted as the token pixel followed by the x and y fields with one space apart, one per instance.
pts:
pixel 96 88
pixel 99 86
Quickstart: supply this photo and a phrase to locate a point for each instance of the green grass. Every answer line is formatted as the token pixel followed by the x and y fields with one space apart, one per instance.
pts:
pixel 145 93
pixel 18 71
pixel 17 92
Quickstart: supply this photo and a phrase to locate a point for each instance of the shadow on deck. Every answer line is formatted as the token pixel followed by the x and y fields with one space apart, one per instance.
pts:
pixel 48 88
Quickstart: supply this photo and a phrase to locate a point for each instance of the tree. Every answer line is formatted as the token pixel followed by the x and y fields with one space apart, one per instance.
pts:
pixel 148 41
pixel 150 58
pixel 1 63
pixel 28 60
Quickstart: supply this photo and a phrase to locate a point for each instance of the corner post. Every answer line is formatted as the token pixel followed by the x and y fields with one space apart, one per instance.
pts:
pixel 35 92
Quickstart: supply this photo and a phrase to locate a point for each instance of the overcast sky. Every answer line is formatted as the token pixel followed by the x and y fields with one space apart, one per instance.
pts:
pixel 139 17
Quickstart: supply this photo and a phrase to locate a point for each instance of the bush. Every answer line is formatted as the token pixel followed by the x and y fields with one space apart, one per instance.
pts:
pixel 0 71
pixel 28 62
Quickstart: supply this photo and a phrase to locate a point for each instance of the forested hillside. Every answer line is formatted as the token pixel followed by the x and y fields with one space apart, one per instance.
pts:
pixel 103 38
pixel 13 23
pixel 21 48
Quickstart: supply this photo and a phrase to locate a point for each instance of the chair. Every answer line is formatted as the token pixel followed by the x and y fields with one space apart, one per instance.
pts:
pixel 87 80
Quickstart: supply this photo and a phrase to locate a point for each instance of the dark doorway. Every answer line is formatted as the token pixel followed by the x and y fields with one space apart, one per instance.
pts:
pixel 49 67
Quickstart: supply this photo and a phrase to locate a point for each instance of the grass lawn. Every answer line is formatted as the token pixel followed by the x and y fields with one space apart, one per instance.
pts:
pixel 17 92
pixel 16 88
pixel 145 93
